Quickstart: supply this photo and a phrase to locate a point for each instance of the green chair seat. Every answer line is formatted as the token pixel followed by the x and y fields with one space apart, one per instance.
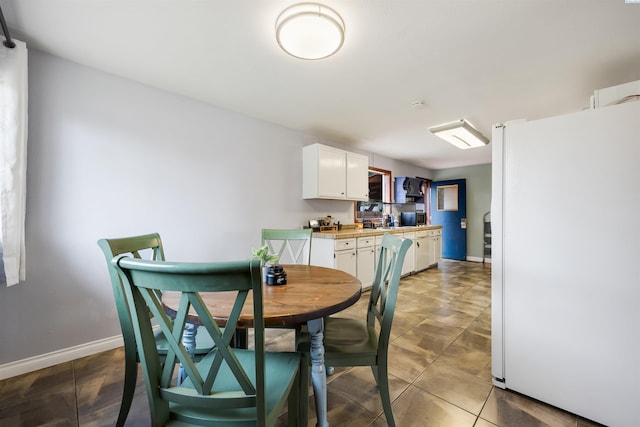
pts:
pixel 279 377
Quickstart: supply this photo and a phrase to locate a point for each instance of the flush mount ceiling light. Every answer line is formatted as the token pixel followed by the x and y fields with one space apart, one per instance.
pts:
pixel 310 31
pixel 461 134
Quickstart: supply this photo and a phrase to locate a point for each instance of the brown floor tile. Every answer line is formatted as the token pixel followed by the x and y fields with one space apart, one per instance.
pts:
pixel 470 353
pixel 41 398
pixel 459 388
pixel 358 384
pixel 483 423
pixel 506 409
pixel 418 408
pixel 342 412
pixel 16 390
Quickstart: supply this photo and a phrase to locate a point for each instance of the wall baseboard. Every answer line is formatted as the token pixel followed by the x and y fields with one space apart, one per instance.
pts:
pixel 42 361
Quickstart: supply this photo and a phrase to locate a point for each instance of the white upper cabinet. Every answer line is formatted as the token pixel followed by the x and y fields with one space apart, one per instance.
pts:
pixel 331 173
pixel 357 176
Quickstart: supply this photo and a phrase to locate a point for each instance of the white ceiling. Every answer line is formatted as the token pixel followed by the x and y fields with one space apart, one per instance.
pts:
pixel 488 61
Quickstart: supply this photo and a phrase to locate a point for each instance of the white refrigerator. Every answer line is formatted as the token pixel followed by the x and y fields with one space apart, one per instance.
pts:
pixel 566 261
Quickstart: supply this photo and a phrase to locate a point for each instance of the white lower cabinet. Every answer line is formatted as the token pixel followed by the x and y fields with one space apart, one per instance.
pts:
pixel 358 256
pixel 428 248
pixel 335 253
pixel 366 253
pixel 409 265
pixel 422 250
pixel 435 246
pixel 378 247
pixel 347 261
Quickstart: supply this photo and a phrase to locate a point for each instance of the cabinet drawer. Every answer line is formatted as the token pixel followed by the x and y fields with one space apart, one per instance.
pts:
pixel 342 244
pixel 434 233
pixel 365 242
pixel 421 234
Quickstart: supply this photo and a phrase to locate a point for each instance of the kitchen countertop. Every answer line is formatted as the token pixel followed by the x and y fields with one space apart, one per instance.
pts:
pixel 364 232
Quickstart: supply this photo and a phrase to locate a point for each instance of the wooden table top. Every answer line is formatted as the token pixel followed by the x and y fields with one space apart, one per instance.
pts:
pixel 311 292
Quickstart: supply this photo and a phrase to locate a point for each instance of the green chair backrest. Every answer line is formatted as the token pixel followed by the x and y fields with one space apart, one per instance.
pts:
pixel 296 242
pixel 144 282
pixel 384 290
pixel 148 245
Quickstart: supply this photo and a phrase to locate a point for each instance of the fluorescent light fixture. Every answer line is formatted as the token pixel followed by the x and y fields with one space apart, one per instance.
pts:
pixel 310 31
pixel 461 134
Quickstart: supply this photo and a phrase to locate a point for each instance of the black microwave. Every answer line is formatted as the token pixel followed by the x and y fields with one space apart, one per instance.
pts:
pixel 421 218
pixel 407 219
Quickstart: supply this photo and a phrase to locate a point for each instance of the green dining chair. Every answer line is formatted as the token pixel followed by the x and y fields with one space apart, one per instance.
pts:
pixel 364 342
pixel 296 243
pixel 149 245
pixel 293 247
pixel 229 386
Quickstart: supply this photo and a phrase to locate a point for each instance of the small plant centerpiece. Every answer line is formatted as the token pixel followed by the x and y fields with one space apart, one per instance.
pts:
pixel 266 260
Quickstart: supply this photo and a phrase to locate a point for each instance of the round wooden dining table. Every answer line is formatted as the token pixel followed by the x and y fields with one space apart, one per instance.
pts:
pixel 310 294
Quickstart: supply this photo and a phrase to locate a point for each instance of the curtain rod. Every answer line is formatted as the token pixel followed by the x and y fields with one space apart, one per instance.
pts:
pixel 8 42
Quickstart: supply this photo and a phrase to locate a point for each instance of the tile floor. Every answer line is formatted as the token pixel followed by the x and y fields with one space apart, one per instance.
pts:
pixel 440 370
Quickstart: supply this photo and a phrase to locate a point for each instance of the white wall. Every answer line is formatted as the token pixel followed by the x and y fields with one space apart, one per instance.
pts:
pixel 109 157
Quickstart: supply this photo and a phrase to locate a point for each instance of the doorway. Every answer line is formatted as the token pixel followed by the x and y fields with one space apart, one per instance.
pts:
pixel 449 209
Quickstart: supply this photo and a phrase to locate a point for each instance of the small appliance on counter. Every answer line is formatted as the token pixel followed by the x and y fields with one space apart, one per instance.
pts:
pixel 407 219
pixel 324 224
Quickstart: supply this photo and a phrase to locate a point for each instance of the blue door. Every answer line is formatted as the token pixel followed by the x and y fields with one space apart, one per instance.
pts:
pixel 449 209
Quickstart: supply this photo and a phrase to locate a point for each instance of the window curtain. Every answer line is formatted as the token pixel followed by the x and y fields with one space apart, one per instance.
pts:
pixel 13 159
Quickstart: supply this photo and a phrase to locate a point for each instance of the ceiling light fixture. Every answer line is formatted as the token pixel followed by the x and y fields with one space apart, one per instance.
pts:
pixel 461 134
pixel 310 31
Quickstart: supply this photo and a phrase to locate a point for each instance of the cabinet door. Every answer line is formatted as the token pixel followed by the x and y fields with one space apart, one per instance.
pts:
pixel 437 248
pixel 324 172
pixel 366 261
pixel 357 176
pixel 409 265
pixel 423 253
pixel 346 261
pixel 331 172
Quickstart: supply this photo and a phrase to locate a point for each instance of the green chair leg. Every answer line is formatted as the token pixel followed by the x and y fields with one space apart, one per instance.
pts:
pixel 305 383
pixel 385 395
pixel 129 388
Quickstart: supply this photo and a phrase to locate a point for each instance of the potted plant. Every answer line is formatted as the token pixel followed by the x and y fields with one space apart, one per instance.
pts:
pixel 266 260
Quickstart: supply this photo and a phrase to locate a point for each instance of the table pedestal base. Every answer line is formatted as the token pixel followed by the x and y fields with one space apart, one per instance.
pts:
pixel 318 374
